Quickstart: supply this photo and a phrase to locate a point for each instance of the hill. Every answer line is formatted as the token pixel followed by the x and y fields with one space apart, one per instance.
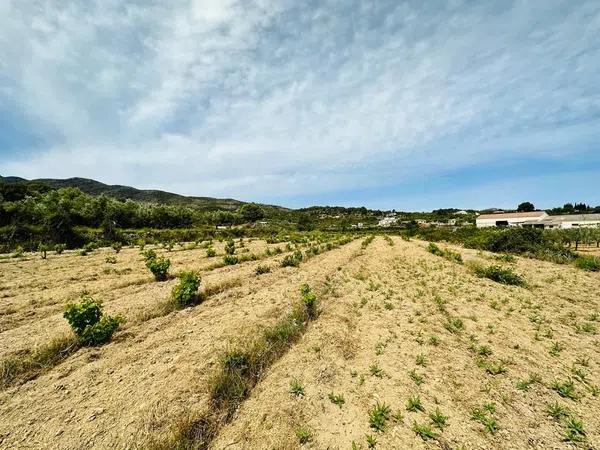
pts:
pixel 94 187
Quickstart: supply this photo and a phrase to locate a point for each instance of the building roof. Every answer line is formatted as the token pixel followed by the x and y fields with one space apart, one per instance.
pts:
pixel 575 217
pixel 513 215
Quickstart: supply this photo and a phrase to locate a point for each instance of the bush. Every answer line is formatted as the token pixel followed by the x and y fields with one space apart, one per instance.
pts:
pixel 59 248
pixel 185 293
pixel 230 247
pixel 159 267
pixel 90 325
pixel 18 252
pixel 262 269
pixel 117 246
pixel 148 254
pixel 500 275
pixel 309 300
pixel 292 260
pixel 43 249
pixel 210 252
pixel 588 262
pixel 230 260
pixel 434 249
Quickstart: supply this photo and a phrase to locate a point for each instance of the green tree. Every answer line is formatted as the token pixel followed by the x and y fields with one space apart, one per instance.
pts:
pixel 251 212
pixel 526 207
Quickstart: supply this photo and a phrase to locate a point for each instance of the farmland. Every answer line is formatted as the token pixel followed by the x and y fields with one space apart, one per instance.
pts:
pixel 405 348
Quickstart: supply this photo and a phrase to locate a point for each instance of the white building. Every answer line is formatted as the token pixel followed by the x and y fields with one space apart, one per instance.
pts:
pixel 387 221
pixel 510 219
pixel 566 221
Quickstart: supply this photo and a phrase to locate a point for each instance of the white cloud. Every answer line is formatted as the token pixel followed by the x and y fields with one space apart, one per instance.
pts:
pixel 273 99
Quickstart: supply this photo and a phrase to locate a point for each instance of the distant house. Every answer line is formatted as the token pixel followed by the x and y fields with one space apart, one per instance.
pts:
pixel 387 221
pixel 462 212
pixel 510 219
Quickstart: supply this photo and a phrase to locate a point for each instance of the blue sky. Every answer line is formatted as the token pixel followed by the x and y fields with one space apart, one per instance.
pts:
pixel 386 104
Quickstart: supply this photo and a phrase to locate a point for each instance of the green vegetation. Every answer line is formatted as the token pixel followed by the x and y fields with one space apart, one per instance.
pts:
pixel 444 253
pixel 91 326
pixel 499 275
pixel 185 293
pixel 379 415
pixel 159 266
pixel 589 263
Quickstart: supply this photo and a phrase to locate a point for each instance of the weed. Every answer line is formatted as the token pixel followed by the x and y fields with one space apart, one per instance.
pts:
pixel 59 248
pixel 262 270
pixel 484 351
pixel 230 247
pixel 210 252
pixel 556 411
pixel 438 419
pixel 565 389
pixel 371 440
pixel 588 262
pixel 574 431
pixel 556 348
pixel 292 260
pixel 337 399
pixel 414 404
pixel 417 378
pixel 492 367
pixel 434 340
pixel 378 415
pixel 420 360
pixel 117 246
pixel 484 416
pixel 499 275
pixel 454 325
pixel 303 434
pixel 424 431
pixel 230 260
pixel 376 371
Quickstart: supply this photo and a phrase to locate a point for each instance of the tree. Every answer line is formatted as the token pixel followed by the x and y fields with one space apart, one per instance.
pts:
pixel 251 212
pixel 526 207
pixel 305 223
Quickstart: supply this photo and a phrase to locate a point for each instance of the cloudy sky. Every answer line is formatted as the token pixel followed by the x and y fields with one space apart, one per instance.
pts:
pixel 389 104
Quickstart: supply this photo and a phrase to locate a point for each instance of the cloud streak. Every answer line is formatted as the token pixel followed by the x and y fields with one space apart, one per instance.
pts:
pixel 277 100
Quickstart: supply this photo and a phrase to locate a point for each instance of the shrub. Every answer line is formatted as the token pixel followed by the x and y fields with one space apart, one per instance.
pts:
pixel 210 252
pixel 117 246
pixel 588 262
pixel 262 269
pixel 185 293
pixel 18 252
pixel 148 254
pixel 43 249
pixel 230 260
pixel 434 249
pixel 292 260
pixel 230 247
pixel 309 300
pixel 159 267
pixel 90 325
pixel 500 275
pixel 59 248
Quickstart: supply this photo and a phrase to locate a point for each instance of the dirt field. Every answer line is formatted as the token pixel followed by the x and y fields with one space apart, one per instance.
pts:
pixel 395 322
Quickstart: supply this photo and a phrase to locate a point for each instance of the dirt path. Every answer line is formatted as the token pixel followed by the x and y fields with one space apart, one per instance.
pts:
pixel 132 388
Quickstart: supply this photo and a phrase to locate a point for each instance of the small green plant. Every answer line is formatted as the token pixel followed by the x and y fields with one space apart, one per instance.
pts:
pixel 438 419
pixel 574 431
pixel 18 252
pixel 262 270
pixel 565 389
pixel 371 441
pixel 159 266
pixel 185 293
pixel 454 325
pixel 556 348
pixel 210 252
pixel 420 360
pixel 148 254
pixel 303 434
pixel 337 399
pixel 117 246
pixel 424 431
pixel 375 371
pixel 434 340
pixel 378 416
pixel 484 416
pixel 416 377
pixel 296 388
pixel 556 411
pixel 59 248
pixel 111 260
pixel 230 260
pixel 309 300
pixel 484 351
pixel 414 404
pixel 91 326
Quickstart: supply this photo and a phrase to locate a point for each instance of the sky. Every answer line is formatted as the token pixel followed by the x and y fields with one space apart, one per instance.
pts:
pixel 406 105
